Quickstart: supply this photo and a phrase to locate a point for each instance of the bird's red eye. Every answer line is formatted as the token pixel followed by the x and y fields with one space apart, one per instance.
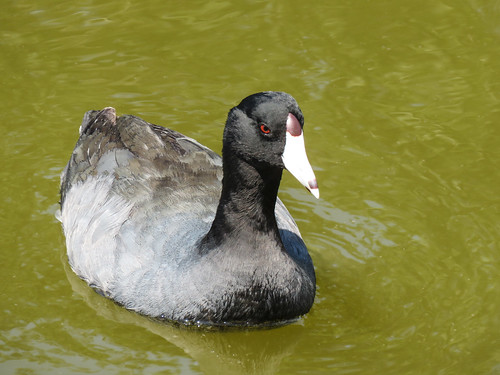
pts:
pixel 264 129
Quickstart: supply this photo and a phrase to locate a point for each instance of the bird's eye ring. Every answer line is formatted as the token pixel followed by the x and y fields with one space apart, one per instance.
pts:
pixel 264 129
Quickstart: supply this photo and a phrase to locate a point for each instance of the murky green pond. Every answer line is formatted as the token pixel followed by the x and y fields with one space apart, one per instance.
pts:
pixel 402 108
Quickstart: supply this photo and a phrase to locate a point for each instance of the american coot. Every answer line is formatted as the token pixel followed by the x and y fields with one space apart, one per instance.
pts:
pixel 165 227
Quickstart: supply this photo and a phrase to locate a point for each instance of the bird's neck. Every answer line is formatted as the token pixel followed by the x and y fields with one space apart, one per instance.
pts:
pixel 247 203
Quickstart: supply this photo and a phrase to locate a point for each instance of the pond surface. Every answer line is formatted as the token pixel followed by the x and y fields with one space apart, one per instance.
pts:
pixel 402 108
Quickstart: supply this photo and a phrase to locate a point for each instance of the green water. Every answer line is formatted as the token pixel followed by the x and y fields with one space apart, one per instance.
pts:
pixel 402 108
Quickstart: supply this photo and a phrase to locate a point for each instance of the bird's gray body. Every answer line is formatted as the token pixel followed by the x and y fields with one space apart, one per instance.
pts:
pixel 136 199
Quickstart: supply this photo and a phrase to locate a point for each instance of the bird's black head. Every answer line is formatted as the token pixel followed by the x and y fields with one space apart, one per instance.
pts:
pixel 256 128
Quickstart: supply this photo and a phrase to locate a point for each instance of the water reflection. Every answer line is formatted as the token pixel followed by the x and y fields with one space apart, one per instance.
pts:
pixel 223 352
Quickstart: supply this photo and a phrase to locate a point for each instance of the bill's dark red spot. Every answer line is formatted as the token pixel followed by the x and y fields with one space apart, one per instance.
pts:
pixel 313 184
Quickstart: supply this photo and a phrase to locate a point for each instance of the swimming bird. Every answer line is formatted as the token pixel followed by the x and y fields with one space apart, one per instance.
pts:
pixel 167 228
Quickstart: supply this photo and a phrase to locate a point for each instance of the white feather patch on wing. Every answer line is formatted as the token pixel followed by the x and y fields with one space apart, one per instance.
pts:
pixel 91 223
